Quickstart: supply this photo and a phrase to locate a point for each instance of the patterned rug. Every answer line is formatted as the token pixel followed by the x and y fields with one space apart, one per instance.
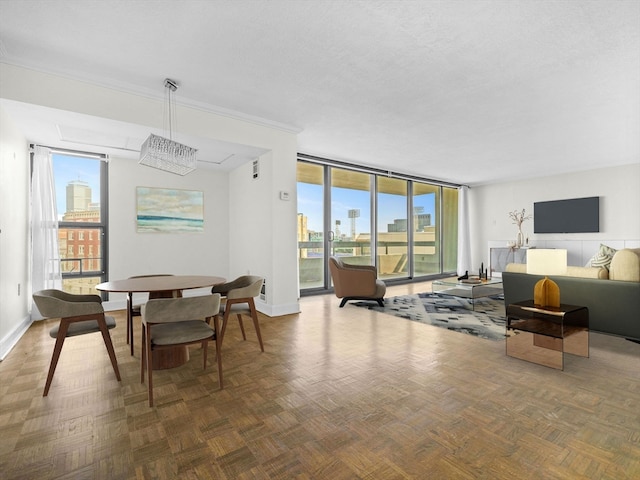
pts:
pixel 486 319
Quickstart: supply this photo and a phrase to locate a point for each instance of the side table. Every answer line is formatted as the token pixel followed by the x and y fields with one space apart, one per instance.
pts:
pixel 544 334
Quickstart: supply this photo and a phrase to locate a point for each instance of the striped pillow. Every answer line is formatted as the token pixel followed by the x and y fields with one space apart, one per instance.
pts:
pixel 603 258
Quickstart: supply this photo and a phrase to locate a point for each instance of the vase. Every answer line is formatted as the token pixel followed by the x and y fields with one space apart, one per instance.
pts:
pixel 519 238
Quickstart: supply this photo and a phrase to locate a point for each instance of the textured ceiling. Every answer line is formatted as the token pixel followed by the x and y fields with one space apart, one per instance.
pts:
pixel 469 91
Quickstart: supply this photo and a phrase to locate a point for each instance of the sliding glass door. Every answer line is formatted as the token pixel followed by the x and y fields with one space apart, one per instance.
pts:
pixel 350 236
pixel 311 226
pixel 392 228
pixel 404 227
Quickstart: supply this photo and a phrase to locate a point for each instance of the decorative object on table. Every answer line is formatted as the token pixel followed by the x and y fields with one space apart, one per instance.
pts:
pixel 518 218
pixel 165 153
pixel 167 210
pixel 453 313
pixel 546 293
pixel 483 273
pixel 465 276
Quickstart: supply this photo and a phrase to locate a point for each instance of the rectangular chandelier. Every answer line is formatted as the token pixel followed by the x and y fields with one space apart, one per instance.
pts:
pixel 168 155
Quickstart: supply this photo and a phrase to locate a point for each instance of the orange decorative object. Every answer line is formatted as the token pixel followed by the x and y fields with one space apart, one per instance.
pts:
pixel 546 293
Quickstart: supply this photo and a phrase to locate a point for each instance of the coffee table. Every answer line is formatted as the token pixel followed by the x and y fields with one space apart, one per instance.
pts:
pixel 471 288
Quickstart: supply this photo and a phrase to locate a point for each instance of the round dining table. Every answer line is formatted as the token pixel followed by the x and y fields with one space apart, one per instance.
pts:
pixel 161 283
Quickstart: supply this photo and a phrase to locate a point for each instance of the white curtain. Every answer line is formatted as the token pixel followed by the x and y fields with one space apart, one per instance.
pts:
pixel 45 256
pixel 464 241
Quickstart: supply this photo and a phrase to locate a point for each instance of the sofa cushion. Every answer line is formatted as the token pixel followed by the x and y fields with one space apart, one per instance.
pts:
pixel 602 258
pixel 576 272
pixel 625 265
pixel 587 272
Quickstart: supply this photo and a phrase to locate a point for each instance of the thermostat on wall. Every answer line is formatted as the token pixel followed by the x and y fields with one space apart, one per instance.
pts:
pixel 284 195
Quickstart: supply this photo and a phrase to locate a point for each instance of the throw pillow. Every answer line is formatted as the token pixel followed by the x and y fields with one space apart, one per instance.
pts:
pixel 603 257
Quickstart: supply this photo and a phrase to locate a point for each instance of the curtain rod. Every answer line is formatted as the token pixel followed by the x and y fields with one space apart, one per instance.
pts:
pixel 75 153
pixel 379 171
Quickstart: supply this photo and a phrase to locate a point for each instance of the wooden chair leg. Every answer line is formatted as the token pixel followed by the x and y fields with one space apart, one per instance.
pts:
pixel 218 349
pixel 143 353
pixel 204 354
pixel 244 335
pixel 149 367
pixel 254 316
pixel 102 324
pixel 62 334
pixel 225 321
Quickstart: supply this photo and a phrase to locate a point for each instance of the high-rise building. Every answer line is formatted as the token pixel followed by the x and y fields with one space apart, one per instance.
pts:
pixel 78 196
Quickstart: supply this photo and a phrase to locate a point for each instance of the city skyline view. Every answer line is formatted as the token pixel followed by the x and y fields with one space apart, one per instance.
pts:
pixel 69 168
pixel 390 208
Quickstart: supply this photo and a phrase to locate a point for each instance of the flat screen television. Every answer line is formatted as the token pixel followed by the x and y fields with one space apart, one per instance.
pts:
pixel 576 215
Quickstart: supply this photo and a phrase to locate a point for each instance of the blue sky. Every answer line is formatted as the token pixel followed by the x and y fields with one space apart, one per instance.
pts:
pixel 391 207
pixel 67 168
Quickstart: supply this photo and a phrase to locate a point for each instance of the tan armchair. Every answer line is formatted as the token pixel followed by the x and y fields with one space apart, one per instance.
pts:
pixel 356 282
pixel 79 314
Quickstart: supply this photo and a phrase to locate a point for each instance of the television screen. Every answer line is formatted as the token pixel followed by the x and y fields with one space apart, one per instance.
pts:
pixel 577 215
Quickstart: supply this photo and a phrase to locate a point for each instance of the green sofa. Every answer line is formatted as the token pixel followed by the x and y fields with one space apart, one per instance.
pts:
pixel 613 297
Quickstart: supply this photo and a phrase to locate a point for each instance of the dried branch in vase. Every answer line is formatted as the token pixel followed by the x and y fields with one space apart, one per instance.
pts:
pixel 519 217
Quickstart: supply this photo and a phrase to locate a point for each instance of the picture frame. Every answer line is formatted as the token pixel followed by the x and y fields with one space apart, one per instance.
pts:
pixel 169 210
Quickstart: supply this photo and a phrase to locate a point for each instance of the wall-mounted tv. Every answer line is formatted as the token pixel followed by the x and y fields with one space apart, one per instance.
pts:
pixel 576 215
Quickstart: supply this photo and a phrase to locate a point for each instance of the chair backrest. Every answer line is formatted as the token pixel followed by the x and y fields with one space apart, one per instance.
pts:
pixel 172 310
pixel 335 265
pixel 251 285
pixel 54 303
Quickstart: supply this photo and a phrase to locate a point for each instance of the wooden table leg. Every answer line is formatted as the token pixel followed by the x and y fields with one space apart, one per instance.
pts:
pixel 170 357
pixel 130 320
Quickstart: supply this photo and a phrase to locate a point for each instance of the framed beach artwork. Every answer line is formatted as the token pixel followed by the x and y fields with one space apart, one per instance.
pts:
pixel 168 210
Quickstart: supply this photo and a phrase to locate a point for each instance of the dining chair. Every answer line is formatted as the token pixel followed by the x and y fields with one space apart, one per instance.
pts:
pixel 135 309
pixel 239 295
pixel 79 315
pixel 163 294
pixel 175 322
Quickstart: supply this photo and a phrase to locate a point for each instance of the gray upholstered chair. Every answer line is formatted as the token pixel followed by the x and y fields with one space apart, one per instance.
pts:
pixel 136 309
pixel 79 314
pixel 239 295
pixel 174 322
pixel 356 282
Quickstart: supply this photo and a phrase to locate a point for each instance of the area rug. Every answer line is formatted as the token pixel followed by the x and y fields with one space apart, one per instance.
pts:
pixel 484 319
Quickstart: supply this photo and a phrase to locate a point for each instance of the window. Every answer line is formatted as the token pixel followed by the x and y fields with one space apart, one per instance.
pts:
pixel 405 226
pixel 81 200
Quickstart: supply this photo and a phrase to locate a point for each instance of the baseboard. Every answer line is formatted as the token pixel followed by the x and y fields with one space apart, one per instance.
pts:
pixel 13 337
pixel 277 310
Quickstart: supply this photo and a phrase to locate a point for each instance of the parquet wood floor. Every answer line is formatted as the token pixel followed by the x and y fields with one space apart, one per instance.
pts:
pixel 338 394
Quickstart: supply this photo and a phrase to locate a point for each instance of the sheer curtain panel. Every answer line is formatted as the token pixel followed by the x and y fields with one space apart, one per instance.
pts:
pixel 464 242
pixel 45 255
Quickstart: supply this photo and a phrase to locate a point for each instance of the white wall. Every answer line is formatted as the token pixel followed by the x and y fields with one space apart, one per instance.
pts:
pixel 617 187
pixel 14 235
pixel 133 253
